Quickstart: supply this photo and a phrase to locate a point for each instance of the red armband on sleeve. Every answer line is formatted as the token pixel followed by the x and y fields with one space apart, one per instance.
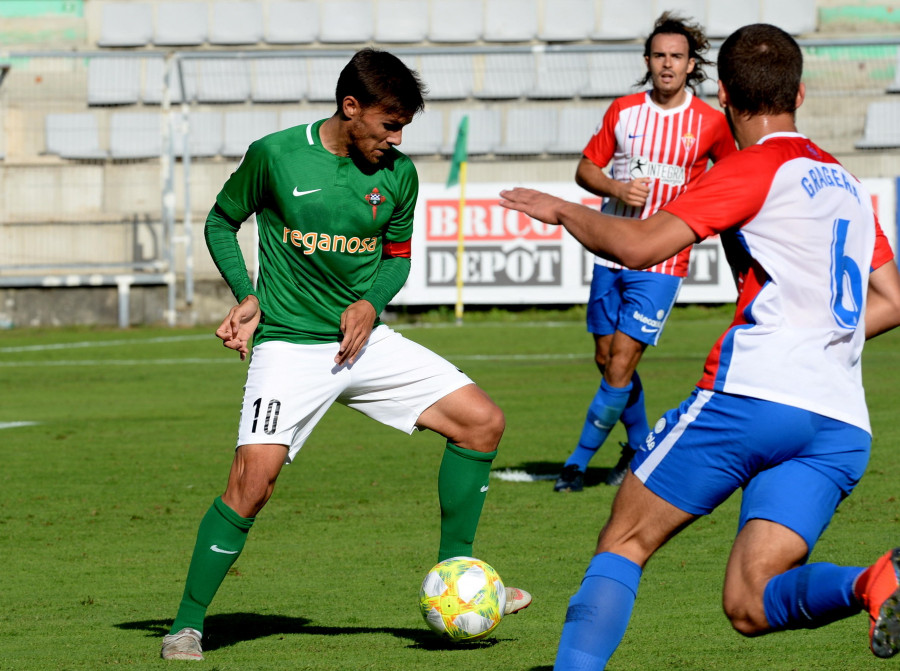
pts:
pixel 397 249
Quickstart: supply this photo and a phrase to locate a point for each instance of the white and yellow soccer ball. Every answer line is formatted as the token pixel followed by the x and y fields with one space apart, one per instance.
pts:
pixel 462 599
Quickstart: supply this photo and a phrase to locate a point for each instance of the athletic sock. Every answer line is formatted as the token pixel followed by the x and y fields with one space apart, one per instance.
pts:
pixel 598 614
pixel 634 415
pixel 462 486
pixel 810 596
pixel 220 539
pixel 602 415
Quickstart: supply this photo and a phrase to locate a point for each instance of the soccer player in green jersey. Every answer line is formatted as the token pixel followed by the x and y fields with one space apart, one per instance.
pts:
pixel 334 203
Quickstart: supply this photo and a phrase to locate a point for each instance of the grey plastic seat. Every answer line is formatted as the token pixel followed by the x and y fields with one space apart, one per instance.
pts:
pixel 510 20
pixel 506 76
pixel 126 24
pixel 135 135
pixel 881 129
pixel 278 80
pixel 575 126
pixel 114 81
pixel 221 80
pixel 613 73
pixel 726 16
pixel 288 118
pixel 797 17
pixel 75 136
pixel 205 135
pixel 292 22
pixel 323 76
pixel 528 130
pixel 566 20
pixel 154 81
pixel 559 75
pixel 484 130
pixel 236 22
pixel 181 24
pixel 456 21
pixel 448 76
pixel 624 19
pixel 346 21
pixel 244 127
pixel 425 135
pixel 401 21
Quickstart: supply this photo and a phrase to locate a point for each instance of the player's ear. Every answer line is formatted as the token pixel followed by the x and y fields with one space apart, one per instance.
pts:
pixel 722 95
pixel 350 107
pixel 692 63
pixel 801 95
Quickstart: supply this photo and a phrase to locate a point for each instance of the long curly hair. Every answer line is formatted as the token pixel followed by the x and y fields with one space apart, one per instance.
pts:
pixel 670 23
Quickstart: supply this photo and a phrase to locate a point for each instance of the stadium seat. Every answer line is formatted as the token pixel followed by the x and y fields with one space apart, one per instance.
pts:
pixel 134 135
pixel 510 20
pixel 726 16
pixel 613 73
pixel 881 129
pixel 154 80
pixel 456 21
pixel 244 127
pixel 567 20
pixel 204 136
pixel 425 135
pixel 221 80
pixel 484 130
pixel 292 22
pixel 278 80
pixel 298 117
pixel 692 10
pixel 710 87
pixel 894 86
pixel 575 126
pixel 75 136
pixel 346 21
pixel 114 81
pixel 624 20
pixel 235 23
pixel 559 75
pixel 401 21
pixel 448 76
pixel 506 76
pixel 323 76
pixel 528 130
pixel 798 17
pixel 181 24
pixel 126 24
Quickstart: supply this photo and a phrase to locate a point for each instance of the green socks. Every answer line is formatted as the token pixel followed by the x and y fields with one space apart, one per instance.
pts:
pixel 220 539
pixel 462 486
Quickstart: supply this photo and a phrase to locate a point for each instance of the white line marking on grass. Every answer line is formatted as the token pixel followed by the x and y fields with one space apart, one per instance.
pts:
pixel 14 425
pixel 510 475
pixel 102 343
pixel 115 362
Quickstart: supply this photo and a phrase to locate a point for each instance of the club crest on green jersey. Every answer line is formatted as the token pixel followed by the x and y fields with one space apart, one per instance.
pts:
pixel 375 199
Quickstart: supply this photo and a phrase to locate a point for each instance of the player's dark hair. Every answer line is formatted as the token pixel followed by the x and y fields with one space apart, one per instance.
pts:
pixel 760 67
pixel 380 79
pixel 670 23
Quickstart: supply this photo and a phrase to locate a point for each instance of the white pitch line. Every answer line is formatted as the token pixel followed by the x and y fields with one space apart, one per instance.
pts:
pixel 101 343
pixel 14 425
pixel 510 475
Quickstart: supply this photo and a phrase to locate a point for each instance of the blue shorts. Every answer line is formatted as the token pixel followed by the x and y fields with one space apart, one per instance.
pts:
pixel 634 302
pixel 795 466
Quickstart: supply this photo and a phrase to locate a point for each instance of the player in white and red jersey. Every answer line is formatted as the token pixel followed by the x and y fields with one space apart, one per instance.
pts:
pixel 658 141
pixel 780 410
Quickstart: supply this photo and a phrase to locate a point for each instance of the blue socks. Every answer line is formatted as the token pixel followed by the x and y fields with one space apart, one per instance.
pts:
pixel 810 596
pixel 602 415
pixel 634 416
pixel 598 614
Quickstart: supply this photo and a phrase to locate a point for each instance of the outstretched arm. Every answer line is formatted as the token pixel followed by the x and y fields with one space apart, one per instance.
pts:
pixel 635 243
pixel 590 176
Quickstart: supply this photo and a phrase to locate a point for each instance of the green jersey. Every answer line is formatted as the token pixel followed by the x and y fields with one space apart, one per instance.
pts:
pixel 326 229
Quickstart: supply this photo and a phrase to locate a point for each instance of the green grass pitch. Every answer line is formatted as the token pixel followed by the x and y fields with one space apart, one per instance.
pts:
pixel 114 443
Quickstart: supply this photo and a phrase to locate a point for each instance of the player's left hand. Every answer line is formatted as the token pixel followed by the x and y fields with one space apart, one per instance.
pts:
pixel 356 325
pixel 237 329
pixel 536 204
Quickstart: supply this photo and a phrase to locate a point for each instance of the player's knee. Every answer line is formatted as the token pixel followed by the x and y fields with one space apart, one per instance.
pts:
pixel 746 620
pixel 487 426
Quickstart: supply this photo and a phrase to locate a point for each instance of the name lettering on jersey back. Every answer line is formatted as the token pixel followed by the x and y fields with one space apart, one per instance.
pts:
pixel 820 177
pixel 673 175
pixel 323 242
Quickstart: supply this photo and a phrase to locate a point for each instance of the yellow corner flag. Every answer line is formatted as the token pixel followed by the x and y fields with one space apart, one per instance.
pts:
pixel 458 176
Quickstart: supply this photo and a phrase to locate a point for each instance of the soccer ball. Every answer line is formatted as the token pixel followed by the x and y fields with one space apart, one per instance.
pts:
pixel 462 599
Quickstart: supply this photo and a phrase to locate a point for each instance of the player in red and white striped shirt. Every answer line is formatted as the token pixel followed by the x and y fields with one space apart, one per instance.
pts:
pixel 657 141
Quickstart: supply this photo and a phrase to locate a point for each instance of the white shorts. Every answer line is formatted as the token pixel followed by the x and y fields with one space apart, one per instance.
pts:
pixel 289 387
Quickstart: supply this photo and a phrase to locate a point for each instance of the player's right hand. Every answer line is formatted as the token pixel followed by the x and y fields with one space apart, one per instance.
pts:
pixel 237 329
pixel 636 192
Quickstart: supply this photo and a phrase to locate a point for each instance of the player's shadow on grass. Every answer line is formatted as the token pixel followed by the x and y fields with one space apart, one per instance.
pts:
pixel 549 470
pixel 226 629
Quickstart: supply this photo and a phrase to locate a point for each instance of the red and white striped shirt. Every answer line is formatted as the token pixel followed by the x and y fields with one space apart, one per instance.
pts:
pixel 671 146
